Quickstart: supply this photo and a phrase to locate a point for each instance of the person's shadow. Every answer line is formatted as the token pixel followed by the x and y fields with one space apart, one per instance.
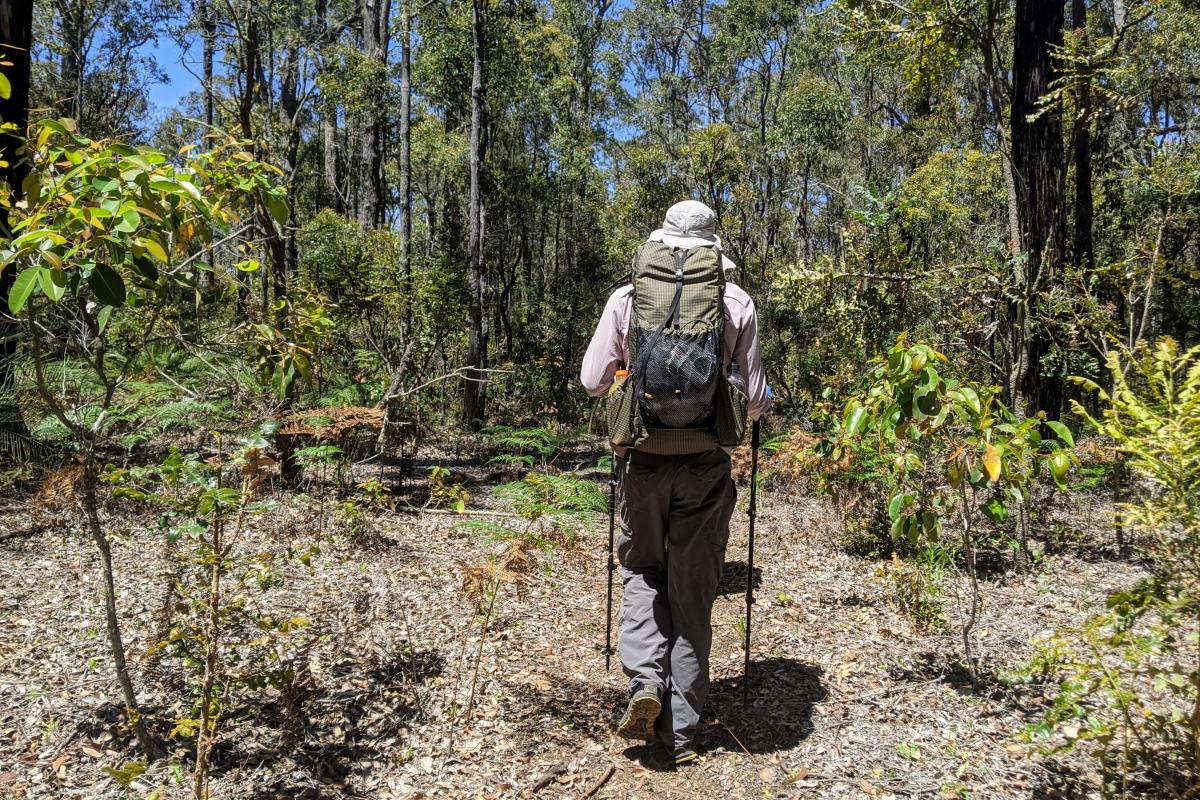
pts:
pixel 776 713
pixel 733 578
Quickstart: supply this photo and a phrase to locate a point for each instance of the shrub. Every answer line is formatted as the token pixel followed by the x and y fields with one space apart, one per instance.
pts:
pixel 1131 686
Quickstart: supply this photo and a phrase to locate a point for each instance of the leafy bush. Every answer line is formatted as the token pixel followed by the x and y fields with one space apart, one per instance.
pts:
pixel 1131 685
pixel 917 585
pixel 950 449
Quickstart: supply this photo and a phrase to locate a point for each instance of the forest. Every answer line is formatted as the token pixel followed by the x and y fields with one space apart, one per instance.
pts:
pixel 301 496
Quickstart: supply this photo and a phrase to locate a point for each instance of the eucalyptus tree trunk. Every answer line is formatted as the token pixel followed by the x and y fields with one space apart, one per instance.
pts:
pixel 475 396
pixel 1037 155
pixel 329 123
pixel 208 22
pixel 72 16
pixel 1084 209
pixel 375 15
pixel 16 33
pixel 406 193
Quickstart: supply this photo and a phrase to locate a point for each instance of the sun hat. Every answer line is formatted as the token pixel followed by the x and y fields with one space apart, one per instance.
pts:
pixel 689 224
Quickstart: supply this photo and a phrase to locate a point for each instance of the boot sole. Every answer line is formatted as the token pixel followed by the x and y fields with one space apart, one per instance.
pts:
pixel 638 722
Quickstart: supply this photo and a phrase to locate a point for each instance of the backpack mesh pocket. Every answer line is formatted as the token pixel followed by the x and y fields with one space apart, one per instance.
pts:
pixel 679 381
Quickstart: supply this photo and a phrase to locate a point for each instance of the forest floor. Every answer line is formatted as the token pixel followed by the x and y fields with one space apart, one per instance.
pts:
pixel 847 699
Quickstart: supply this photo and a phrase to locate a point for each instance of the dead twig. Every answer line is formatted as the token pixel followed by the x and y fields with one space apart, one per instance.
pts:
pixel 548 778
pixel 598 785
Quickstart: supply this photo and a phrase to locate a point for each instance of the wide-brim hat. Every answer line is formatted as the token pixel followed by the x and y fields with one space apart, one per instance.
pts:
pixel 689 224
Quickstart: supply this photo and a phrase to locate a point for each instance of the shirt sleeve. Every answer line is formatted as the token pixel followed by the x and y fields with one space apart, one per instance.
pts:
pixel 606 352
pixel 749 358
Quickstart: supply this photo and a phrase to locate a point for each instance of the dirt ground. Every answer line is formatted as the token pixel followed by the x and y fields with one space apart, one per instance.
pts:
pixel 846 699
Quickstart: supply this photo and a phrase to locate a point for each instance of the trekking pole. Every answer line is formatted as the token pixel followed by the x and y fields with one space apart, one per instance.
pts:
pixel 752 511
pixel 612 566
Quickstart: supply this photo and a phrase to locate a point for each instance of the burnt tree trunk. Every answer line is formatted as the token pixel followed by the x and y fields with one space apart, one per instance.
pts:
pixel 476 394
pixel 16 35
pixel 1084 208
pixel 370 173
pixel 1037 156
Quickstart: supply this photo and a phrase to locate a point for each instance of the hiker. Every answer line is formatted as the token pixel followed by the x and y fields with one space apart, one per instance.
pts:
pixel 677 353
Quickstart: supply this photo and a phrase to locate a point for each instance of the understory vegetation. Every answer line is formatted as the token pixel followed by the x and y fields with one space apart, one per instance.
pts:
pixel 288 382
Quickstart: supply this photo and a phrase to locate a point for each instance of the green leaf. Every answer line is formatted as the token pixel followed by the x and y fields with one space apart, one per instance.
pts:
pixel 130 220
pixel 5 87
pixel 897 505
pixel 1060 465
pixel 970 398
pixel 854 418
pixel 102 318
pixel 146 268
pixel 54 289
pixel 22 288
pixel 1062 431
pixel 278 208
pixel 107 285
pixel 995 510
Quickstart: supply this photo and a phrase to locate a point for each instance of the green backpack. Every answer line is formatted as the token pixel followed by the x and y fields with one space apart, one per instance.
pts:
pixel 677 397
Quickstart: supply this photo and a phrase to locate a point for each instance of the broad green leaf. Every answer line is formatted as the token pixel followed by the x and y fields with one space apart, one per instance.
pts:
pixel 897 505
pixel 107 285
pixel 1062 431
pixel 970 398
pixel 5 87
pixel 102 318
pixel 145 267
pixel 857 419
pixel 1060 465
pixel 278 208
pixel 995 510
pixel 22 288
pixel 54 289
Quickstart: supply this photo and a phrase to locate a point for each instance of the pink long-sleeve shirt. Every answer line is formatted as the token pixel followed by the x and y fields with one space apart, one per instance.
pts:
pixel 609 347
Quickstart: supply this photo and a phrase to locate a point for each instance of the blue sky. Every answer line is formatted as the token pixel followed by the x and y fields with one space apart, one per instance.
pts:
pixel 164 96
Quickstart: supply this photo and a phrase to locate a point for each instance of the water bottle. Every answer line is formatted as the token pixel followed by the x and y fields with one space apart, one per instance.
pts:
pixel 735 377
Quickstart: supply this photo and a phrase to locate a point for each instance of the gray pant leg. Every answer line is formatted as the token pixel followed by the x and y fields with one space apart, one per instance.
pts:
pixel 645 620
pixel 702 503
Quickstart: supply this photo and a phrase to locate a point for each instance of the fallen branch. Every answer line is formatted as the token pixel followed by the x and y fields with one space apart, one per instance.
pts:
pixel 464 513
pixel 598 785
pixel 545 780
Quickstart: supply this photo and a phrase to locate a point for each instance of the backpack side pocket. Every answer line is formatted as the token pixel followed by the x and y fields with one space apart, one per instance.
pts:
pixel 624 423
pixel 731 413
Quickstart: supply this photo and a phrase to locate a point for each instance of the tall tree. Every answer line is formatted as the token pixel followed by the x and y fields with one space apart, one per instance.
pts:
pixel 477 343
pixel 1082 249
pixel 16 37
pixel 375 36
pixel 1037 156
pixel 406 194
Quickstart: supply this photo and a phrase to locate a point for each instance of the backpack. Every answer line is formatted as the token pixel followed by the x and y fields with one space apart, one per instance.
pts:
pixel 676 396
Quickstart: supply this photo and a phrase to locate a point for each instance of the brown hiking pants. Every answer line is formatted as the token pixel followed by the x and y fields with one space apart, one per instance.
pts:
pixel 675 514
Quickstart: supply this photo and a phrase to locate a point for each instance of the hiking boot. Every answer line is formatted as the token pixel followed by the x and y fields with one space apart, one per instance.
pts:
pixel 662 758
pixel 684 755
pixel 640 714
